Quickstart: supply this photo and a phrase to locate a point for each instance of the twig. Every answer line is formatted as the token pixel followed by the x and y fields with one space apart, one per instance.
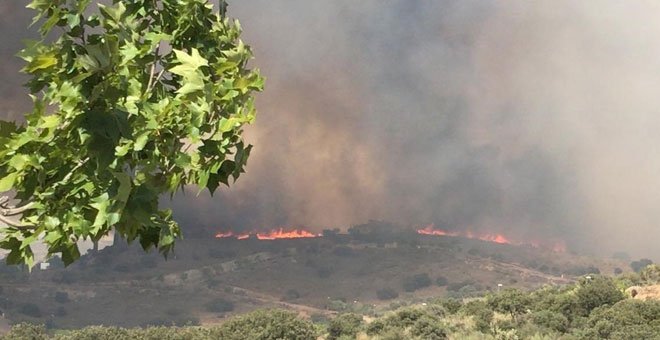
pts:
pixel 16 210
pixel 15 224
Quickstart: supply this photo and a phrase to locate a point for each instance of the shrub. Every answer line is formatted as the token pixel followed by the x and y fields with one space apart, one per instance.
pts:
pixel 415 282
pixel 387 294
pixel 62 297
pixel 451 305
pixel 272 324
pixel 510 301
pixel 551 320
pixel 628 319
pixel 456 286
pixel 597 292
pixel 30 309
pixel 290 294
pixel 376 327
pixel 344 325
pixel 405 317
pixel 637 266
pixel 24 331
pixel 482 319
pixel 95 333
pixel 429 328
pixel 441 281
pixel 60 312
pixel 220 305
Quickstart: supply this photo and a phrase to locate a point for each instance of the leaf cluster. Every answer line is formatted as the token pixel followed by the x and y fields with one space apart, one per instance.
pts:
pixel 132 100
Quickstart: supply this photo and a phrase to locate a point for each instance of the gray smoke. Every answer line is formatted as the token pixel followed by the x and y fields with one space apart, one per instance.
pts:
pixel 531 119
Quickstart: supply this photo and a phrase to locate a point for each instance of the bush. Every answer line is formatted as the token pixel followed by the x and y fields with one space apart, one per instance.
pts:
pixel 637 266
pixel 510 301
pixel 405 317
pixel 628 319
pixel 598 291
pixel 95 333
pixel 415 282
pixel 456 286
pixel 482 319
pixel 451 305
pixel 24 331
pixel 272 324
pixel 551 320
pixel 30 309
pixel 387 294
pixel 62 297
pixel 290 294
pixel 441 281
pixel 344 325
pixel 429 328
pixel 220 305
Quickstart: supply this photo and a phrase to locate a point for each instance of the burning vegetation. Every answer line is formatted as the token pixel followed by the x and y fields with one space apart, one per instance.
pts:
pixel 558 246
pixel 429 230
pixel 274 234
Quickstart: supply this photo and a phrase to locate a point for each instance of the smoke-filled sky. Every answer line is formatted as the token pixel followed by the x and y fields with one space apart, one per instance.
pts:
pixel 532 119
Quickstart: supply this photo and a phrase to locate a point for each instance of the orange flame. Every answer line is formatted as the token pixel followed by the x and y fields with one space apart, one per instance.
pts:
pixel 280 233
pixel 270 235
pixel 430 229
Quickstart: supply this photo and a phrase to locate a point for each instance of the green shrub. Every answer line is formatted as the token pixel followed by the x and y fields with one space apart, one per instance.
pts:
pixel 405 317
pixel 387 294
pixel 220 305
pixel 452 306
pixel 482 319
pixel 510 301
pixel 596 292
pixel 430 328
pixel 637 266
pixel 274 324
pixel 551 320
pixel 415 282
pixel 344 325
pixel 623 318
pixel 441 281
pixel 23 331
pixel 95 333
pixel 30 309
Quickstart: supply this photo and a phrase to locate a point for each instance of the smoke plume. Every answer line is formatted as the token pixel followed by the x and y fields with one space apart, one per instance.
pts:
pixel 535 119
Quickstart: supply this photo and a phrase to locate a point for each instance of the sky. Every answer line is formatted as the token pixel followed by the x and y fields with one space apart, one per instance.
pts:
pixel 537 120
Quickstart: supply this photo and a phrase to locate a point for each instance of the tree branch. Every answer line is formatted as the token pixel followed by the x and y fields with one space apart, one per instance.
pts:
pixel 6 211
pixel 15 224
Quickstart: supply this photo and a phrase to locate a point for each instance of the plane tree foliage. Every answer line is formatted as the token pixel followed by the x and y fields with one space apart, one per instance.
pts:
pixel 132 100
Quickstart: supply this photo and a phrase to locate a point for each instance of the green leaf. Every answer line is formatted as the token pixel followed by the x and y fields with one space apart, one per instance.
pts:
pixel 7 183
pixel 141 141
pixel 43 61
pixel 101 204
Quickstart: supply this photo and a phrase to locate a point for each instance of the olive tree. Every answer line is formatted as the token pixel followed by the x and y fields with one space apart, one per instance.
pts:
pixel 132 100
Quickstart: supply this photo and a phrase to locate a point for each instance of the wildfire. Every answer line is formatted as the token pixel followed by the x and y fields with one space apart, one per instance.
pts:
pixel 270 235
pixel 430 229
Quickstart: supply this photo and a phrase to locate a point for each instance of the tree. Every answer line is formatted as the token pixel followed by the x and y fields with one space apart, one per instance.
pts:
pixel 131 101
pixel 637 266
pixel 596 292
pixel 511 301
pixel 415 282
pixel 345 325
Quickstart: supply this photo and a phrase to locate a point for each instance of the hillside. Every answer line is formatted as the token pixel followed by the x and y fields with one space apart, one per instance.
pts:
pixel 210 279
